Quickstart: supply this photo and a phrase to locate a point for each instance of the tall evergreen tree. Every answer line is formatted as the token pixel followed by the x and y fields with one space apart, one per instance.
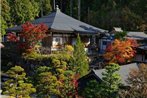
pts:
pixel 47 8
pixel 23 10
pixel 91 90
pixel 44 6
pixel 5 16
pixel 111 81
pixel 107 88
pixel 79 57
pixel 16 85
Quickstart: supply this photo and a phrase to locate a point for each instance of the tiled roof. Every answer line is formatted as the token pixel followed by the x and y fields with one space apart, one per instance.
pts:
pixel 124 72
pixel 60 22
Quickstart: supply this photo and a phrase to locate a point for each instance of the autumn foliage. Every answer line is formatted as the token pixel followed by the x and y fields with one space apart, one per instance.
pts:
pixel 33 33
pixel 12 37
pixel 120 51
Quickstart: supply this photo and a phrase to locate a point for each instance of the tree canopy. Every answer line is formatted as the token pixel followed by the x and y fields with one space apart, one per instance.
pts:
pixel 23 10
pixel 80 59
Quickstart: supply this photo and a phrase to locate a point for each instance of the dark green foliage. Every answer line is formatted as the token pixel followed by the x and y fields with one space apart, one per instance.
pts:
pixel 120 35
pixel 17 85
pixel 80 59
pixel 111 81
pixel 47 8
pixel 23 10
pixel 128 14
pixel 92 90
pixel 107 88
pixel 44 6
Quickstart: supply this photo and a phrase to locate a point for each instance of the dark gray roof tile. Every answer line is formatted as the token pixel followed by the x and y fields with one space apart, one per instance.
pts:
pixel 58 21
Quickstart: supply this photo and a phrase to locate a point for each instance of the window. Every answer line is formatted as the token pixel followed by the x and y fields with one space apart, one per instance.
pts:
pixel 57 39
pixel 104 42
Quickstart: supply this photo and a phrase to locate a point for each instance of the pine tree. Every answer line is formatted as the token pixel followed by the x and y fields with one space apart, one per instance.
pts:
pixel 111 81
pixel 23 10
pixel 92 90
pixel 47 8
pixel 79 58
pixel 48 85
pixel 16 85
pixel 5 16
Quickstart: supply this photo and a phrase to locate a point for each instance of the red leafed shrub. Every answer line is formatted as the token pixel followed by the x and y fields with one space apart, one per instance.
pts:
pixel 12 37
pixel 120 51
pixel 33 34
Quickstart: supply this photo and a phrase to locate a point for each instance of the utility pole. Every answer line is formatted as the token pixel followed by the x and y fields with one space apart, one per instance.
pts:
pixel 71 4
pixel 79 9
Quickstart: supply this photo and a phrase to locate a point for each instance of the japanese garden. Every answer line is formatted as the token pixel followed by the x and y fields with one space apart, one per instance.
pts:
pixel 73 48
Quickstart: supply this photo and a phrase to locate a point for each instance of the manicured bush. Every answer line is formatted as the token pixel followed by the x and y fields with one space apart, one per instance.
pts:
pixel 16 85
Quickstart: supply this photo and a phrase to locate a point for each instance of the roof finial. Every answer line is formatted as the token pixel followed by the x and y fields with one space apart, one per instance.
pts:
pixel 57 8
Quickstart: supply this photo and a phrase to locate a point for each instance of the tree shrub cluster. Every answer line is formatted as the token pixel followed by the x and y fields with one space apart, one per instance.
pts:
pixel 52 75
pixel 56 78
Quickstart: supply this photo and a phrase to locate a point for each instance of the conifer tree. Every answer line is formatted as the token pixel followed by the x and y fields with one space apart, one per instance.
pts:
pixel 79 58
pixel 5 16
pixel 48 85
pixel 23 10
pixel 16 85
pixel 111 81
pixel 47 8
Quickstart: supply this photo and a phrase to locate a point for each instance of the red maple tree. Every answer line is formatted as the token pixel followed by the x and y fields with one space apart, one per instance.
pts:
pixel 120 51
pixel 33 34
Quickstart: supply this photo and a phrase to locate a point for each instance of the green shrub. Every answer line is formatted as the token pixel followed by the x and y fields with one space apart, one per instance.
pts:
pixel 92 90
pixel 35 56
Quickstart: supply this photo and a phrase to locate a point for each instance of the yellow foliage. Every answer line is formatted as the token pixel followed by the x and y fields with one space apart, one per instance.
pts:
pixel 69 48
